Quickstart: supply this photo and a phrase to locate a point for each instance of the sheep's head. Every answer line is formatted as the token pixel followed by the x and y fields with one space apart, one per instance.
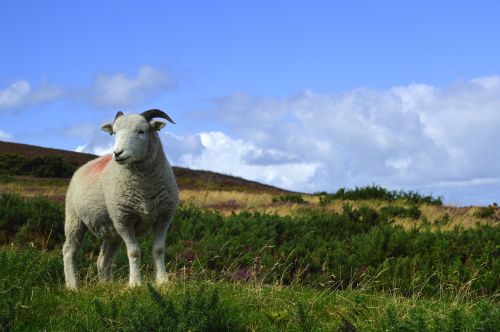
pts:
pixel 134 133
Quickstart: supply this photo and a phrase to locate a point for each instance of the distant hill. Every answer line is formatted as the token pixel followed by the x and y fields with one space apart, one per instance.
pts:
pixel 186 178
pixel 35 151
pixel 197 179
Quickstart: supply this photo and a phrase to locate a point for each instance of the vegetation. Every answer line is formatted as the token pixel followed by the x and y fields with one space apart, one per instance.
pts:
pixel 35 222
pixel 39 166
pixel 486 211
pixel 318 269
pixel 290 198
pixel 358 248
pixel 24 182
pixel 391 211
pixel 33 299
pixel 378 193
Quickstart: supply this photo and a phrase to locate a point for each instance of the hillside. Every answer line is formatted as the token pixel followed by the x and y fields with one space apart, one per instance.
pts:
pixel 35 151
pixel 243 256
pixel 186 178
pixel 229 194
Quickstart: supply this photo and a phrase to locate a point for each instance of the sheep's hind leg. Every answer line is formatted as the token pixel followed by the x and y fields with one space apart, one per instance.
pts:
pixel 74 231
pixel 105 259
pixel 159 233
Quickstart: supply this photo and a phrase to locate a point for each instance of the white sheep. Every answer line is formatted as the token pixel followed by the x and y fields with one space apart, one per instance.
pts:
pixel 122 196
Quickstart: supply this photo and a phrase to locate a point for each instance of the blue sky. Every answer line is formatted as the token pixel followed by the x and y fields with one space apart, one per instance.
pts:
pixel 307 95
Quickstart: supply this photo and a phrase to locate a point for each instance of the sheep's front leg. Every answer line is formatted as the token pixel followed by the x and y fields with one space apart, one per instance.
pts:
pixel 160 232
pixel 133 253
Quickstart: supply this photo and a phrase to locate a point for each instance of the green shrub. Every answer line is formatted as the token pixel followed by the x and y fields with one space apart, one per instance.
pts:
pixel 393 211
pixel 34 221
pixel 485 212
pixel 39 166
pixel 341 250
pixel 358 247
pixel 292 198
pixel 379 193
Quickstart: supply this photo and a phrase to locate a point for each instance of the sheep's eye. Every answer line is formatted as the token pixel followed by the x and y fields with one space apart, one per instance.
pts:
pixel 112 133
pixel 140 132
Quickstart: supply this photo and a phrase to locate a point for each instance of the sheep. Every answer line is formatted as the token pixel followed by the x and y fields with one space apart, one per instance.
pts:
pixel 121 196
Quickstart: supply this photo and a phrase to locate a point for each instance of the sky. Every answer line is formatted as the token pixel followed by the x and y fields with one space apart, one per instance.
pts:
pixel 304 95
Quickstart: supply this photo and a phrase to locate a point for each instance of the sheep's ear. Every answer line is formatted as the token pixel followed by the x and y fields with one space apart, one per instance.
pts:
pixel 107 127
pixel 156 125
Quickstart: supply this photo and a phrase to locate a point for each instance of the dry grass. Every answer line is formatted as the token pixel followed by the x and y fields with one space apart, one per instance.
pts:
pixel 234 201
pixel 439 217
pixel 55 191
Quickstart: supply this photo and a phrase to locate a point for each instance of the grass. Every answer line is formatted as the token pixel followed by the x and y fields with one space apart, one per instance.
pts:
pixel 33 299
pixel 359 246
pixel 240 262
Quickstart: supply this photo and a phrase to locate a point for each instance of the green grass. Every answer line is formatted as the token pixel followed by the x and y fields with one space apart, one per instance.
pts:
pixel 313 271
pixel 33 299
pixel 356 248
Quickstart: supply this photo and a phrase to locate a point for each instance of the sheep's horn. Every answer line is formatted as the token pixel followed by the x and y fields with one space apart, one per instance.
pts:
pixel 120 113
pixel 155 113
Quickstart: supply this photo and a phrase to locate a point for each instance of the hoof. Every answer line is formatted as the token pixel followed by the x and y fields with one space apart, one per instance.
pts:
pixel 134 284
pixel 71 287
pixel 162 281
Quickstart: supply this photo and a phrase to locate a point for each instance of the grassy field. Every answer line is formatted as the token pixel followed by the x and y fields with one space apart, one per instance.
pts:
pixel 311 270
pixel 33 299
pixel 245 257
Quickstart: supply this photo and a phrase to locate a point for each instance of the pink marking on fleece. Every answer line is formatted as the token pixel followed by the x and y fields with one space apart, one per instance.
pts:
pixel 99 165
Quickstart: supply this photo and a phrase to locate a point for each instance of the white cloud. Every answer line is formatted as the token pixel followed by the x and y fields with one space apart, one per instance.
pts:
pixel 121 91
pixel 4 136
pixel 224 154
pixel 414 137
pixel 20 93
pixel 99 144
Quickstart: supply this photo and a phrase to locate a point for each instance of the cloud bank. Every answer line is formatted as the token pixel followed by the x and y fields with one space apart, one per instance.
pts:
pixel 419 137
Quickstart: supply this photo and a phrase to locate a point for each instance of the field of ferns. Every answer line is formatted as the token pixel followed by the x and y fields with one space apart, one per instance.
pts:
pixel 365 259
